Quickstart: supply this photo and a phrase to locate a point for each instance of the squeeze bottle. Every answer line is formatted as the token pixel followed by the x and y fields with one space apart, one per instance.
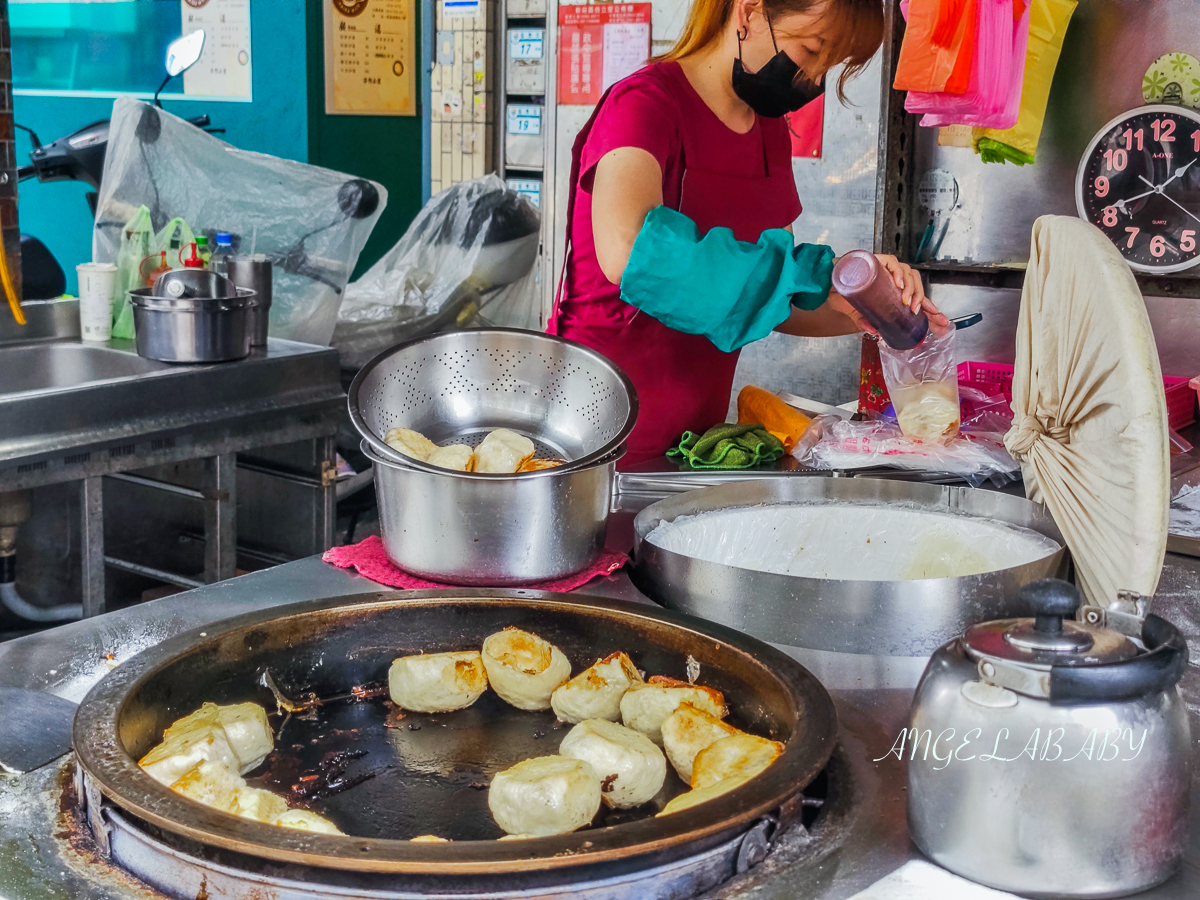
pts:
pixel 869 288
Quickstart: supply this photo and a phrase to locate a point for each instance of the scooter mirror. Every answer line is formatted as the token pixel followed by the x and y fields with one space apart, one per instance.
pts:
pixel 183 52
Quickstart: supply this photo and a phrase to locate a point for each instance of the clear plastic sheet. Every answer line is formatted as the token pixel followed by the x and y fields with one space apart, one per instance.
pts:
pixel 923 385
pixel 466 260
pixel 311 222
pixel 855 542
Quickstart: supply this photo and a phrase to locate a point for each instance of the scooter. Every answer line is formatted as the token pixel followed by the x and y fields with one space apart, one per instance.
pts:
pixel 80 157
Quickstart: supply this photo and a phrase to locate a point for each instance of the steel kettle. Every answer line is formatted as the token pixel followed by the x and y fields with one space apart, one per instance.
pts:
pixel 1050 757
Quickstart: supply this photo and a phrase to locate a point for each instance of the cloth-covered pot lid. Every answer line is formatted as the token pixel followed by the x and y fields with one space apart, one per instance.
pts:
pixel 1089 412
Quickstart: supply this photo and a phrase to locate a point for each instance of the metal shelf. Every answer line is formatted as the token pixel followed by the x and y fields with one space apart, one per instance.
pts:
pixel 1013 276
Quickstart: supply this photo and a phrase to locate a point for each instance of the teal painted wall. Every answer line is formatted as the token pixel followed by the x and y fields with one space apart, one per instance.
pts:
pixel 276 122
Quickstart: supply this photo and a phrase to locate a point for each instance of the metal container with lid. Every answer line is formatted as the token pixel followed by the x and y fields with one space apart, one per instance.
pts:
pixel 1051 757
pixel 192 316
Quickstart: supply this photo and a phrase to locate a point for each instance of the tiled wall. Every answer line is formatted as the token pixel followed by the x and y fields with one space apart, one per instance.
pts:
pixel 8 167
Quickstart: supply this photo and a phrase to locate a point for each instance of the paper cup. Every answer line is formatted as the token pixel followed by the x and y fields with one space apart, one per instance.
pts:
pixel 96 284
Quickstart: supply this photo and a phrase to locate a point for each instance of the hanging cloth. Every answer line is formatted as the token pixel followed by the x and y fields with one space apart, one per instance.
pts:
pixel 1089 412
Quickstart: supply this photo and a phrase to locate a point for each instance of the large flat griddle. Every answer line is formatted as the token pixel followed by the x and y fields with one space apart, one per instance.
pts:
pixel 385 779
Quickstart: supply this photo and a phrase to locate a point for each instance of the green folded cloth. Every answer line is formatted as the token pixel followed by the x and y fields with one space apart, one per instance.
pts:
pixel 728 447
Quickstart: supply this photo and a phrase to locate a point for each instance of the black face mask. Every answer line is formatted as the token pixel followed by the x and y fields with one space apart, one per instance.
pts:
pixel 774 90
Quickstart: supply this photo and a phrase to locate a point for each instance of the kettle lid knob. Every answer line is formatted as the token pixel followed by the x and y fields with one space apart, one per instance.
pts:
pixel 1051 600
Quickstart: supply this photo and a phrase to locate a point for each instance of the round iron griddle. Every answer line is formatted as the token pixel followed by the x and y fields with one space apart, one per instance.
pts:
pixel 433 778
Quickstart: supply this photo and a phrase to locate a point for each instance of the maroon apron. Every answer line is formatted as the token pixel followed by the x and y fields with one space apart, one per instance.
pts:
pixel 683 381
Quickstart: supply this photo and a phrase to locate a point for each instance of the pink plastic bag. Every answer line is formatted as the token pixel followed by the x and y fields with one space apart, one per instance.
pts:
pixel 993 98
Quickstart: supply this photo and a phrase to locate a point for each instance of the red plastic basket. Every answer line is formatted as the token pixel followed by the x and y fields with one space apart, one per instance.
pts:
pixel 996 379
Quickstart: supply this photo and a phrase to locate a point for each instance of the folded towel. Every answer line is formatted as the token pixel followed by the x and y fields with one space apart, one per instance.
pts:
pixel 728 447
pixel 369 559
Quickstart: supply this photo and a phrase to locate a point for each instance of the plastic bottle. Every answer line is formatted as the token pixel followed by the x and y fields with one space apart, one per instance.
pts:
pixel 219 261
pixel 152 276
pixel 193 261
pixel 869 288
pixel 202 249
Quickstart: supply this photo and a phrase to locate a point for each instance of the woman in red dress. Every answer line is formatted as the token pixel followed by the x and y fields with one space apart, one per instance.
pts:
pixel 700 131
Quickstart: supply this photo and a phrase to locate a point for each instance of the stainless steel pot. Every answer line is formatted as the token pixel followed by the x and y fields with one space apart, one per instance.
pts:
pixel 191 329
pixel 1051 758
pixel 493 530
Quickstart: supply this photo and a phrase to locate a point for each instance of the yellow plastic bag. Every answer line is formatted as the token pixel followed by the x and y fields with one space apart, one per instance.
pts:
pixel 1048 21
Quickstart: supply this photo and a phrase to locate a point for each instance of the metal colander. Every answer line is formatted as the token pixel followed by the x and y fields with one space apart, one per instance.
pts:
pixel 456 386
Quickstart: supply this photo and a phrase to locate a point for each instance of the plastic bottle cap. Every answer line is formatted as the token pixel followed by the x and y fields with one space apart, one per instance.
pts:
pixel 854 273
pixel 224 239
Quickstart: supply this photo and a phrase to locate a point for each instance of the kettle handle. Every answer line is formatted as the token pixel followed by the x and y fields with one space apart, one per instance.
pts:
pixel 1157 670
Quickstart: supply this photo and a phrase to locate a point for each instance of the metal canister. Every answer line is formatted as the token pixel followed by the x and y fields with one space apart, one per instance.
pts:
pixel 254 272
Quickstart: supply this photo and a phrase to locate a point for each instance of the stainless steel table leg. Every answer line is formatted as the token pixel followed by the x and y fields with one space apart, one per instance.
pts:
pixel 220 517
pixel 328 492
pixel 91 496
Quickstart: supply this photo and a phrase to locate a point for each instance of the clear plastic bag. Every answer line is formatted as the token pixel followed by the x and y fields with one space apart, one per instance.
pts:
pixel 974 456
pixel 466 260
pixel 923 385
pixel 137 242
pixel 311 222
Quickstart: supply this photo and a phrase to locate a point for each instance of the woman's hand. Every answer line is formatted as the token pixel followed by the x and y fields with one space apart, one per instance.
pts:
pixel 912 292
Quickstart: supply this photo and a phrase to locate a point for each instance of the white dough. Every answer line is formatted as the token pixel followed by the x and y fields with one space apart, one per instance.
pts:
pixel 631 768
pixel 454 456
pixel 703 795
pixel 503 451
pixel 545 795
pixel 212 784
pixel 186 748
pixel 736 756
pixel 437 682
pixel 596 692
pixel 245 727
pixel 524 669
pixel 303 820
pixel 686 732
pixel 260 805
pixel 410 443
pixel 646 706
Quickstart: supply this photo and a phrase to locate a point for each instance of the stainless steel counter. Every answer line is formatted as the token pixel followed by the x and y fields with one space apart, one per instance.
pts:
pixel 850 850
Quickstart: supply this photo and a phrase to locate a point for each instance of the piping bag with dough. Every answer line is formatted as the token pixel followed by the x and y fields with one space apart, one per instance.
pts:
pixel 1089 413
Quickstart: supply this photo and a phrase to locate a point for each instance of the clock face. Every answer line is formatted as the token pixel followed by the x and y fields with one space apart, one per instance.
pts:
pixel 1139 183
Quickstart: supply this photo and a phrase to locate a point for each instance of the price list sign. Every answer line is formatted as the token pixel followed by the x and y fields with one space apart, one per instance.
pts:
pixel 370 57
pixel 223 69
pixel 598 46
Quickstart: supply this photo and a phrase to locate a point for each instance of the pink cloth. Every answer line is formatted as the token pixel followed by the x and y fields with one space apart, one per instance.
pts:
pixel 715 177
pixel 368 558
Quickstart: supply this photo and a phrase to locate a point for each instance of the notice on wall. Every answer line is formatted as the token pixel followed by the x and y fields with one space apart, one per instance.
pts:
pixel 223 69
pixel 370 57
pixel 598 46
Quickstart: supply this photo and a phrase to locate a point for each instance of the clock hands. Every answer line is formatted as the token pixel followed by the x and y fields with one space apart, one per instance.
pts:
pixel 1158 190
pixel 1154 188
pixel 1181 206
pixel 1178 172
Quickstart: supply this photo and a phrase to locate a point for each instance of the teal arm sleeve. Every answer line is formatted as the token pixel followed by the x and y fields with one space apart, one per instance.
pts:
pixel 729 291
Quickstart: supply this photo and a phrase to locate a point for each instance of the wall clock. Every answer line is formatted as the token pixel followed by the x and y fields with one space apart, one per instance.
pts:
pixel 1139 183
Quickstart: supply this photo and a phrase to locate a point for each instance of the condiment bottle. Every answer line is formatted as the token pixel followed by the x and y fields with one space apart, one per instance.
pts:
pixel 152 276
pixel 219 261
pixel 193 261
pixel 869 288
pixel 202 249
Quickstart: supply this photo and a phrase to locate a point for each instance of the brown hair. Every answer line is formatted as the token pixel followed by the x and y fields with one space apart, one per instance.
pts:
pixel 855 30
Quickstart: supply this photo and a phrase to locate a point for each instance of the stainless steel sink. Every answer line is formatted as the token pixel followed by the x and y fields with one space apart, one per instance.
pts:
pixel 59 365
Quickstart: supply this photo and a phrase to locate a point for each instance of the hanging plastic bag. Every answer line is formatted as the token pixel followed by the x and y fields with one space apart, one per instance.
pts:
pixel 310 222
pixel 997 71
pixel 176 229
pixel 938 46
pixel 923 385
pixel 137 238
pixel 1048 20
pixel 466 260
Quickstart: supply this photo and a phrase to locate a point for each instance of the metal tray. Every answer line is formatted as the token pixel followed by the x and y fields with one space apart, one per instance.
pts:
pixel 383 785
pixel 875 618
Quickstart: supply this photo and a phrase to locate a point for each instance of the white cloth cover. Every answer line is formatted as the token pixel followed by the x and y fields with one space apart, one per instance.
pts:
pixel 1089 412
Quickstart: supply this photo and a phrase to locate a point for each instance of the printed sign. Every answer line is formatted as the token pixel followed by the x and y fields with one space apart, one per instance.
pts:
pixel 526 43
pixel 524 119
pixel 223 69
pixel 598 46
pixel 370 57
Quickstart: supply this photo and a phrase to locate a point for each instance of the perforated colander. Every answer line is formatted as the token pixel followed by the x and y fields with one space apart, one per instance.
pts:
pixel 457 386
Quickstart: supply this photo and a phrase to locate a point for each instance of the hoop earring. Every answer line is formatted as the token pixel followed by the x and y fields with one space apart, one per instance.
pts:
pixel 743 32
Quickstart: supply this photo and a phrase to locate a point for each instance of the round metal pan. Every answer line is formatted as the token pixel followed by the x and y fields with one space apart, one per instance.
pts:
pixel 875 618
pixel 428 773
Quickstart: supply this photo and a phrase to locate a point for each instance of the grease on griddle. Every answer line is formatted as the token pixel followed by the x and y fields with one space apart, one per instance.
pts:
pixel 310 701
